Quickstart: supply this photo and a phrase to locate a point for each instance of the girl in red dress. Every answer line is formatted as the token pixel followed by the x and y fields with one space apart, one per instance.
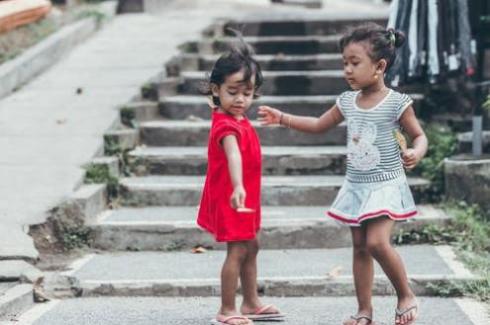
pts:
pixel 230 203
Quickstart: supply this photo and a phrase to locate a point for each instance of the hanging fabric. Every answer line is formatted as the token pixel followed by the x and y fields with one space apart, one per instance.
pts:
pixel 439 41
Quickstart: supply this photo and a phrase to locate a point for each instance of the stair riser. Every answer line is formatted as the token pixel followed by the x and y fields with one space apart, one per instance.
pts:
pixel 301 85
pixel 284 46
pixel 274 136
pixel 297 28
pixel 170 238
pixel 271 196
pixel 272 165
pixel 180 111
pixel 194 63
pixel 284 288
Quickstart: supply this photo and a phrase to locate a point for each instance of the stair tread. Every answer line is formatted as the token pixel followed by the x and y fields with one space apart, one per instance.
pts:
pixel 186 216
pixel 137 267
pixel 266 150
pixel 169 182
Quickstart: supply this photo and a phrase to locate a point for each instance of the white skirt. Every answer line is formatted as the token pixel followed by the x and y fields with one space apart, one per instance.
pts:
pixel 357 202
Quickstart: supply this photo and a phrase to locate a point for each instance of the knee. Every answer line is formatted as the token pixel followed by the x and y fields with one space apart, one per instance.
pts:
pixel 237 252
pixel 377 247
pixel 360 249
pixel 253 247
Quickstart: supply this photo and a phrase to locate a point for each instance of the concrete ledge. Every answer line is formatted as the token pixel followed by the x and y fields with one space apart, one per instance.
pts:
pixel 468 179
pixel 16 244
pixel 92 199
pixel 18 270
pixel 17 72
pixel 15 300
pixel 315 272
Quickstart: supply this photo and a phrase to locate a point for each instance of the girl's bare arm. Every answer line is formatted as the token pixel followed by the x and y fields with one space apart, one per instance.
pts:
pixel 234 157
pixel 411 125
pixel 329 119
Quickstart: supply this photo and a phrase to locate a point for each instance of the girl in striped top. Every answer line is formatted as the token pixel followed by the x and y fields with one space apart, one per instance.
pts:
pixel 375 192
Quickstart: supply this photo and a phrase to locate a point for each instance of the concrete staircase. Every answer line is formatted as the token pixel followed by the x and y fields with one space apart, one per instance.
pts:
pixel 144 245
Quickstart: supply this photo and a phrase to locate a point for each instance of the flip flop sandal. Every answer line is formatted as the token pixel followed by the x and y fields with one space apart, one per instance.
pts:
pixel 261 314
pixel 401 312
pixel 357 318
pixel 225 320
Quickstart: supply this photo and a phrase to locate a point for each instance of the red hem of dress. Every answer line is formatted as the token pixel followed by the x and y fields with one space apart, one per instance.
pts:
pixel 372 215
pixel 222 240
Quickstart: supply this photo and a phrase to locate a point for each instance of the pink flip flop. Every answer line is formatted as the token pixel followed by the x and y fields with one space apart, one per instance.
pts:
pixel 225 320
pixel 261 314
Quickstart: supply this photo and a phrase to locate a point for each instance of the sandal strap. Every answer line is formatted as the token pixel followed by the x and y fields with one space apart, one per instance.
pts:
pixel 226 319
pixel 400 313
pixel 359 317
pixel 261 310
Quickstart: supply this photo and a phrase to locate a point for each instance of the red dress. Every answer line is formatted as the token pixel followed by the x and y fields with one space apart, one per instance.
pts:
pixel 215 212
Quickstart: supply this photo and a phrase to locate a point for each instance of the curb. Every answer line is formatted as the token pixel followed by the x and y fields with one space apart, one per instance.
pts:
pixel 19 71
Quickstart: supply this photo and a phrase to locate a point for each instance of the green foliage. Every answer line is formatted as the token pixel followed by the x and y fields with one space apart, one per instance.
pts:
pixel 486 104
pixel 127 116
pixel 76 238
pixel 469 233
pixel 99 16
pixel 18 40
pixel 100 174
pixel 442 144
pixel 112 146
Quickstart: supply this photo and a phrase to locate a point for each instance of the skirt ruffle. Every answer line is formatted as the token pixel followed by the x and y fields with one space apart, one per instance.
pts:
pixel 358 202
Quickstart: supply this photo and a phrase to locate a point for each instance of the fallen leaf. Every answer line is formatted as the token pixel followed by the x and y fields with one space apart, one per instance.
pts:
pixel 198 250
pixel 335 272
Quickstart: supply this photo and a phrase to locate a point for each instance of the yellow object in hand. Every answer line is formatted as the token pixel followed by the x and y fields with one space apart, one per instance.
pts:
pixel 400 138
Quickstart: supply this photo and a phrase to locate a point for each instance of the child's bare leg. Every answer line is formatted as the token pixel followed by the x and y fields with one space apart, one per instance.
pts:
pixel 379 246
pixel 236 255
pixel 248 279
pixel 363 275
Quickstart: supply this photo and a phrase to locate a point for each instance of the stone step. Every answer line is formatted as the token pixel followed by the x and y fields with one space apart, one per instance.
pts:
pixel 174 228
pixel 195 133
pixel 285 83
pixel 284 272
pixel 15 298
pixel 276 190
pixel 308 24
pixel 199 311
pixel 196 62
pixel 318 160
pixel 455 121
pixel 465 142
pixel 280 83
pixel 292 45
pixel 182 107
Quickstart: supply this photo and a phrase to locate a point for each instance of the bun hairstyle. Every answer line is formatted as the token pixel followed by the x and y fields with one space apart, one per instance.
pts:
pixel 239 57
pixel 382 42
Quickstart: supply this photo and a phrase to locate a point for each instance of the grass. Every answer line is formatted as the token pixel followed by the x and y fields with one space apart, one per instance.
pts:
pixel 442 144
pixel 469 234
pixel 100 174
pixel 18 40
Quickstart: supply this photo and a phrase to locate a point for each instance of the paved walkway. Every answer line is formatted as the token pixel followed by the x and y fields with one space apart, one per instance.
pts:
pixel 48 131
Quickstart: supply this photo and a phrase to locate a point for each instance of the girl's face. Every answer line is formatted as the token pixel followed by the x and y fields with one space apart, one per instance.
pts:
pixel 235 95
pixel 359 69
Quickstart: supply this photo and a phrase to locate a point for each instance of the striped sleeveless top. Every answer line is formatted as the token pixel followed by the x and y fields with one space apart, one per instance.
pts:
pixel 373 154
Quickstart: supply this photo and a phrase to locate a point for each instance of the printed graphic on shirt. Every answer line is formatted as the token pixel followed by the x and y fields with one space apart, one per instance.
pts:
pixel 361 151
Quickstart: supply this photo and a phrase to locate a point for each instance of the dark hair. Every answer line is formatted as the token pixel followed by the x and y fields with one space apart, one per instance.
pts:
pixel 240 56
pixel 382 42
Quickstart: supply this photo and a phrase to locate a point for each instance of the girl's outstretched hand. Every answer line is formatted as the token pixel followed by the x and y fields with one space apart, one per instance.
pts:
pixel 269 115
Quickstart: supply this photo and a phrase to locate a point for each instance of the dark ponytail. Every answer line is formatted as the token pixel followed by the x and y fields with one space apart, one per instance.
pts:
pixel 383 42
